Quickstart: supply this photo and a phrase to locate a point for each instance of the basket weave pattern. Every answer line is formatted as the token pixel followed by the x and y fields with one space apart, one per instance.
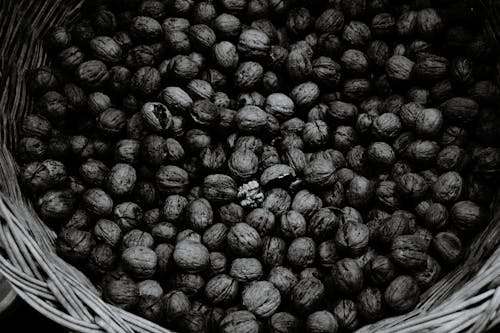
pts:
pixel 465 300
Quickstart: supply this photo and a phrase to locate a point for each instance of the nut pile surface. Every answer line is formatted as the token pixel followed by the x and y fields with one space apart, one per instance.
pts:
pixel 245 166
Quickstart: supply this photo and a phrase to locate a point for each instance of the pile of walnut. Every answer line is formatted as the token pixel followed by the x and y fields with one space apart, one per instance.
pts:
pixel 245 166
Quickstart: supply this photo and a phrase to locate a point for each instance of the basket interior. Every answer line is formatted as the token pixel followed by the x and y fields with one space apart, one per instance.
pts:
pixel 468 298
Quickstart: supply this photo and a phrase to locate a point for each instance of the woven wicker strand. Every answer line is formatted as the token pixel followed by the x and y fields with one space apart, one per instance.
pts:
pixel 465 300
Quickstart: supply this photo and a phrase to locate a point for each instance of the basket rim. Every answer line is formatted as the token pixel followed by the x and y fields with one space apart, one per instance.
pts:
pixel 9 298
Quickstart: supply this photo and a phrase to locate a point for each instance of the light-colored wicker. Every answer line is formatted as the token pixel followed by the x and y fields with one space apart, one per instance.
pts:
pixel 465 300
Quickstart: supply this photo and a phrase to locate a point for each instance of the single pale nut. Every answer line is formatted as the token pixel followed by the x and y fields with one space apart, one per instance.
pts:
pixel 261 298
pixel 191 256
pixel 139 261
pixel 402 294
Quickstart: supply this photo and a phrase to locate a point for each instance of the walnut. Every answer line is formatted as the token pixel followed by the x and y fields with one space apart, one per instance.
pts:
pixel 221 289
pixel 191 256
pixel 402 294
pixel 261 298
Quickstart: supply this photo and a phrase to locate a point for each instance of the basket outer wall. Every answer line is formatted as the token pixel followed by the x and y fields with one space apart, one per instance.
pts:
pixel 465 300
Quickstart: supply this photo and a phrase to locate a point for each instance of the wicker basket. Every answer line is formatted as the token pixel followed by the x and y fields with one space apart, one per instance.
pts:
pixel 465 300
